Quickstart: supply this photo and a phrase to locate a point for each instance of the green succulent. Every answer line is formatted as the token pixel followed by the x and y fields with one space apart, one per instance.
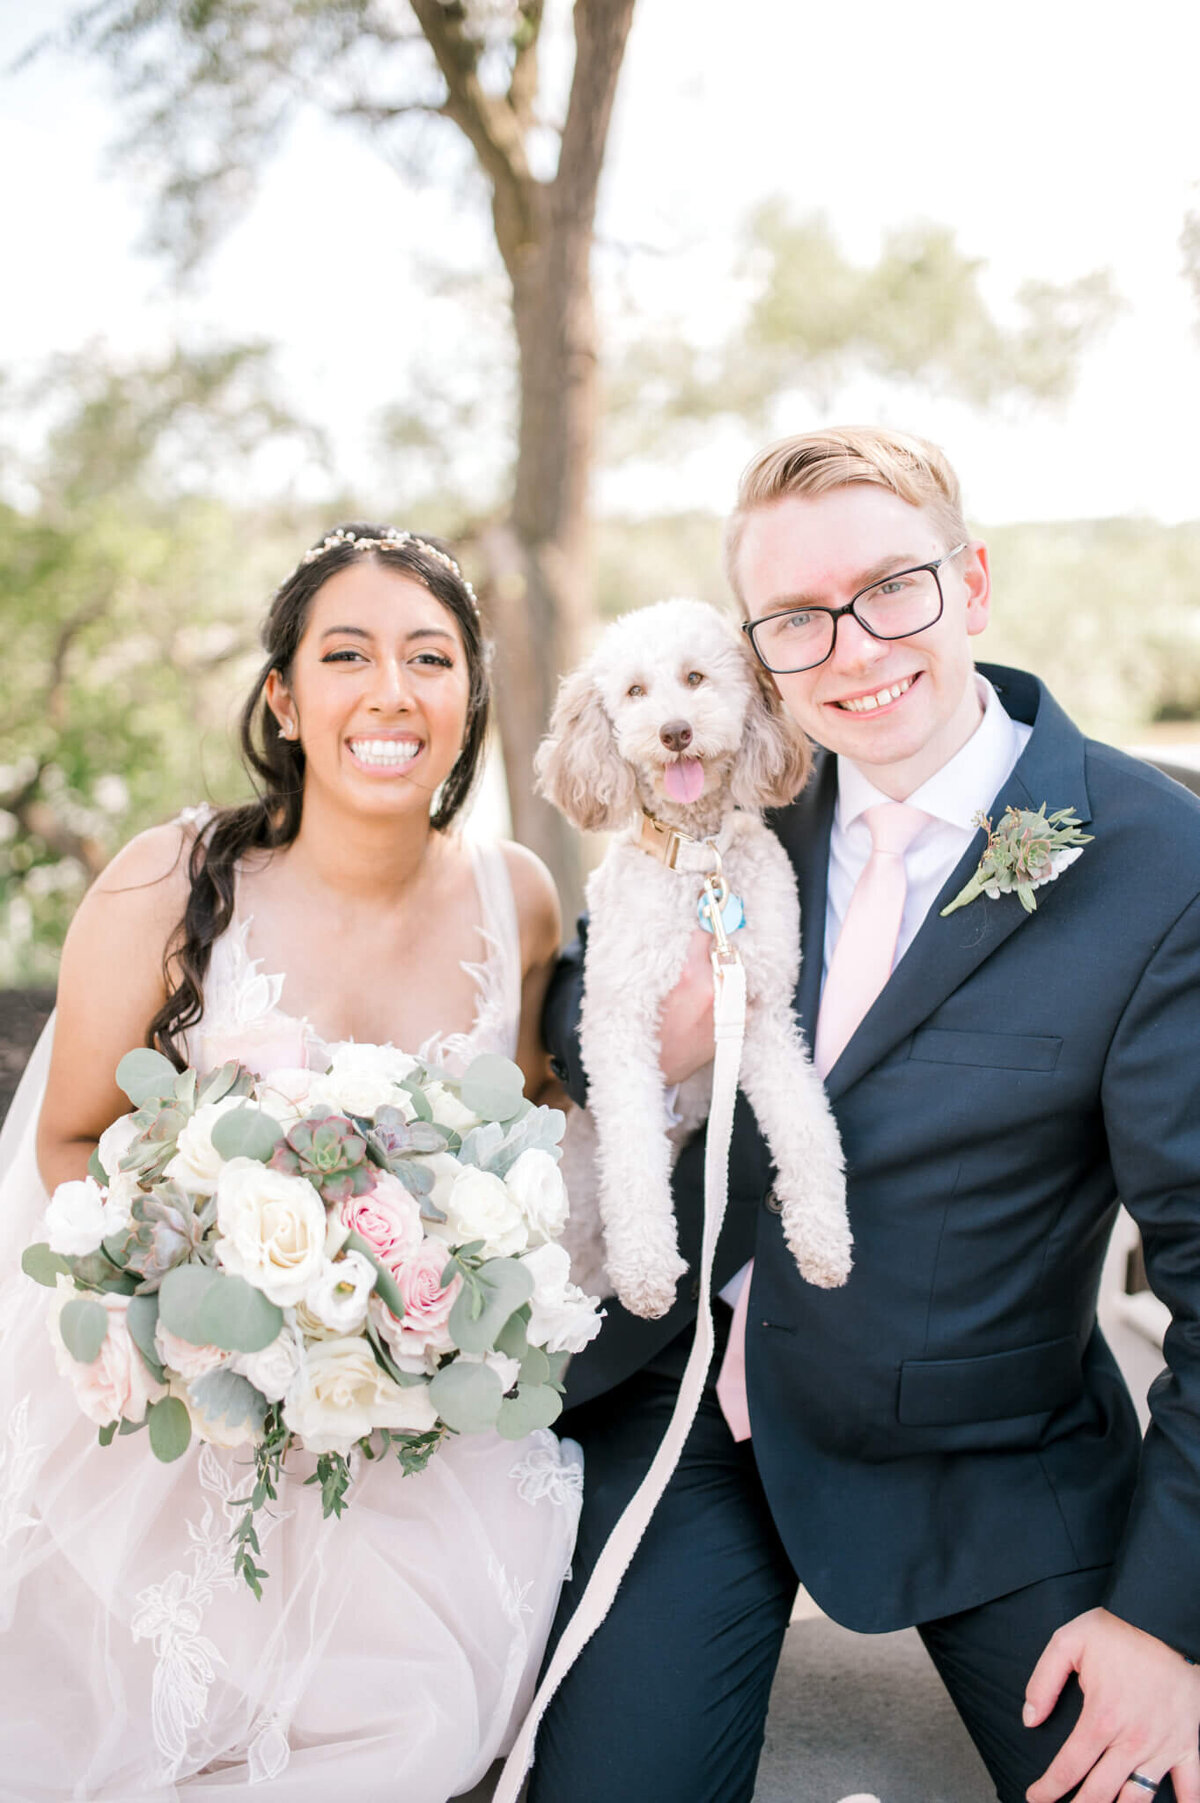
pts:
pixel 330 1152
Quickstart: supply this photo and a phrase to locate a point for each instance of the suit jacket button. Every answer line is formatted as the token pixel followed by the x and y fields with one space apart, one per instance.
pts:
pixel 773 1203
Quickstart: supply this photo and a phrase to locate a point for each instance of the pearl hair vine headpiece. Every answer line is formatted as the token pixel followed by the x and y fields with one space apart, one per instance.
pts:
pixel 391 540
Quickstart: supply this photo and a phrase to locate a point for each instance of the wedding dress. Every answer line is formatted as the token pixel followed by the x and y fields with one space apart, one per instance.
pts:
pixel 394 1650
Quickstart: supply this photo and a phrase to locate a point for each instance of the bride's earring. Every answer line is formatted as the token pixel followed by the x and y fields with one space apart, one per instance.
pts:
pixel 286 730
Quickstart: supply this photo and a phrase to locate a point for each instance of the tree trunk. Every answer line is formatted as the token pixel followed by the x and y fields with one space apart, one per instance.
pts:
pixel 540 579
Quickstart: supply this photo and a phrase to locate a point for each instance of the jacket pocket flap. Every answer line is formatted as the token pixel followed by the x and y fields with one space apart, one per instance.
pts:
pixel 1032 1380
pixel 997 1051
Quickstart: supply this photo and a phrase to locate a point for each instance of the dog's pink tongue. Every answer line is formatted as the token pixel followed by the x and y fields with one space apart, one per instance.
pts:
pixel 684 781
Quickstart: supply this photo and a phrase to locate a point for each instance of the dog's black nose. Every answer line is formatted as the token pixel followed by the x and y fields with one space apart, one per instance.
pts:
pixel 676 735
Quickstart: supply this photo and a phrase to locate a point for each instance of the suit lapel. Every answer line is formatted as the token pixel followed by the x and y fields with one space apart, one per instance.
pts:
pixel 944 953
pixel 804 829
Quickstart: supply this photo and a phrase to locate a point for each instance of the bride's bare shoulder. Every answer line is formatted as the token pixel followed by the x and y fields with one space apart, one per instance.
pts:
pixel 148 878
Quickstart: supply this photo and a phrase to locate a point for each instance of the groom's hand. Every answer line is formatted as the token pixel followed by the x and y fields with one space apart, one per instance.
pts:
pixel 1141 1713
pixel 685 1024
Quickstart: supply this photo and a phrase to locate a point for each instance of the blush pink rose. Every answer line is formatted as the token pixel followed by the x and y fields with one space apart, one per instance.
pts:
pixel 427 1306
pixel 275 1043
pixel 387 1218
pixel 116 1385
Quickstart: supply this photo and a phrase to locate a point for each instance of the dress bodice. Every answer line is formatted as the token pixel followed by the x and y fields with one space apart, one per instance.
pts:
pixel 246 1017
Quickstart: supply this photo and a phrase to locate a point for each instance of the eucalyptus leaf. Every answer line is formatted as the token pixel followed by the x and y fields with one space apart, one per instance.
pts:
pixel 533 1406
pixel 237 1317
pixel 492 1087
pixel 141 1318
pixel 386 1286
pixel 535 1367
pixel 43 1265
pixel 406 1379
pixel 512 1340
pixel 420 1101
pixel 95 1168
pixel 131 1427
pixel 145 1075
pixel 558 1365
pixel 107 1433
pixel 181 1296
pixel 170 1429
pixel 83 1325
pixel 246 1132
pixel 467 1397
pixel 216 1308
pixel 502 1285
pixel 226 1395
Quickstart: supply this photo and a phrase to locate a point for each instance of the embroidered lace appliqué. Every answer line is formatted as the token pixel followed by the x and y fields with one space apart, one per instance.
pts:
pixel 171 1614
pixel 547 1473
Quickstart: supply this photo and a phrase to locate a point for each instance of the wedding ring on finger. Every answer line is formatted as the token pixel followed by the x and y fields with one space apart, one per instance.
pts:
pixel 1150 1784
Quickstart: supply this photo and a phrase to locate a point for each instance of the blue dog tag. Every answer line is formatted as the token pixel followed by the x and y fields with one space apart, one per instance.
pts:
pixel 733 915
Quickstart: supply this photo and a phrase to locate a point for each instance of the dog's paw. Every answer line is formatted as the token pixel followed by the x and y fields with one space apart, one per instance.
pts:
pixel 820 1243
pixel 650 1294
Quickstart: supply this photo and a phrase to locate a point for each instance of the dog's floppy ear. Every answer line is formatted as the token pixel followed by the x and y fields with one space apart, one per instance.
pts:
pixel 578 766
pixel 774 758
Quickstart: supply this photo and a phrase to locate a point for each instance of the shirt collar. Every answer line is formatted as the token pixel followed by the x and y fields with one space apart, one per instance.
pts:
pixel 963 785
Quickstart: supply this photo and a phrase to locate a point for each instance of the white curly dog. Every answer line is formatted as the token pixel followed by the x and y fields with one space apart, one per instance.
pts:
pixel 670 719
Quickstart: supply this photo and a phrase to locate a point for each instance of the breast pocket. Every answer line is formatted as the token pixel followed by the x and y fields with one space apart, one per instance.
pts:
pixel 994 1051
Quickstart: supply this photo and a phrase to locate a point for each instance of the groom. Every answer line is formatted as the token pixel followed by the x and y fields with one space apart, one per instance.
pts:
pixel 947 1440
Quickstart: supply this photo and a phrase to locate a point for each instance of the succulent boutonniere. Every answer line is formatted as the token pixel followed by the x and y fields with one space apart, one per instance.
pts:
pixel 1023 852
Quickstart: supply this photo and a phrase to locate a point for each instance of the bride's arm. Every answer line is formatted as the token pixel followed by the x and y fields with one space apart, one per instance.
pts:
pixel 110 987
pixel 540 921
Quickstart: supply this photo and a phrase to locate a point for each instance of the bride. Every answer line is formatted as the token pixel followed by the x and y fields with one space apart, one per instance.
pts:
pixel 393 1650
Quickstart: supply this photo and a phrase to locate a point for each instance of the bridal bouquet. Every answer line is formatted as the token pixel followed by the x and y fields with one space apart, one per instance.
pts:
pixel 360 1258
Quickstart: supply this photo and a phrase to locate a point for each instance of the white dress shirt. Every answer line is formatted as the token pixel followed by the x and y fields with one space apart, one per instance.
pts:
pixel 953 795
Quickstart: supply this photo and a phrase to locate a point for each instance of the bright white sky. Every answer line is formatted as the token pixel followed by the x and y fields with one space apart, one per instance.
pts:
pixel 1053 136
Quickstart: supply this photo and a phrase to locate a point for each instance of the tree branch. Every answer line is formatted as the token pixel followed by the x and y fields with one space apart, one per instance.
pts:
pixel 491 126
pixel 523 83
pixel 377 112
pixel 601 28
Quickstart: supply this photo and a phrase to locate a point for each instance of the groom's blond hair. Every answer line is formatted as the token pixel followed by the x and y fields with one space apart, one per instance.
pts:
pixel 816 462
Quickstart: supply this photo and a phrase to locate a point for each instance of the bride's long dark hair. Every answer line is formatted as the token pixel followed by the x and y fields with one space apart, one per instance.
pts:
pixel 276 765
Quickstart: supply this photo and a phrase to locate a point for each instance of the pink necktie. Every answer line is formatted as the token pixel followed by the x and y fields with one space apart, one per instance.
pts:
pixel 860 966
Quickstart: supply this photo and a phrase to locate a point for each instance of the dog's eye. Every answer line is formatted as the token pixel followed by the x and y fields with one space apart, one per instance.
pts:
pixel 634 690
pixel 694 679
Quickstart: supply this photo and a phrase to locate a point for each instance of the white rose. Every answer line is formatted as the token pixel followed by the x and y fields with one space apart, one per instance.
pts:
pixel 561 1317
pixel 449 1110
pixel 285 1094
pixel 197 1164
pixel 75 1220
pixel 273 1368
pixel 272 1229
pixel 115 1141
pixel 183 1358
pixel 479 1207
pixel 123 1190
pixel 214 1429
pixel 535 1184
pixel 338 1296
pixel 339 1394
pixel 363 1078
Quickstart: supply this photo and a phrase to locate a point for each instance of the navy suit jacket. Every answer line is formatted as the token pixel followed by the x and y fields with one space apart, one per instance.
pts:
pixel 951 1425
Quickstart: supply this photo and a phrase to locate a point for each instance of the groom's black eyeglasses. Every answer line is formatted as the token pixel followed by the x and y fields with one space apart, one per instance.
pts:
pixel 895 607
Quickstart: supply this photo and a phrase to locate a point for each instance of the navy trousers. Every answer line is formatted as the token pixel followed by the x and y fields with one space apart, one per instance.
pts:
pixel 669 1699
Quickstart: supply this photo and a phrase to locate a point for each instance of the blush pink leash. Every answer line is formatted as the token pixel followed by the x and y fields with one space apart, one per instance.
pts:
pixel 729 1023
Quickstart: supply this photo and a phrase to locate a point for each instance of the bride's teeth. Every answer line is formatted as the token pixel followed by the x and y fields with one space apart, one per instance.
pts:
pixel 863 704
pixel 385 751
